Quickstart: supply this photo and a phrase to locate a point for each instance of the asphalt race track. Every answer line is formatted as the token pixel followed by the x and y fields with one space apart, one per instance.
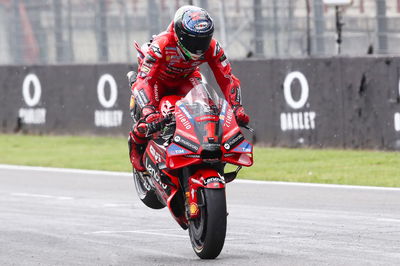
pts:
pixel 52 217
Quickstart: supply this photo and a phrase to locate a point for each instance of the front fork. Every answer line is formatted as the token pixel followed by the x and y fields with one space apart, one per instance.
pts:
pixel 194 185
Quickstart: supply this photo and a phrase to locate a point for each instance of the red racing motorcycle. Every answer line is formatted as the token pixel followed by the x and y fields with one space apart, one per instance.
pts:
pixel 185 161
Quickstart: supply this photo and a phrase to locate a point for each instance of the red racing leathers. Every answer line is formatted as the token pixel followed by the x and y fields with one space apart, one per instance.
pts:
pixel 165 70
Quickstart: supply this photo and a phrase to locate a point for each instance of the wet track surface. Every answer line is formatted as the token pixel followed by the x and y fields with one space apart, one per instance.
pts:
pixel 62 218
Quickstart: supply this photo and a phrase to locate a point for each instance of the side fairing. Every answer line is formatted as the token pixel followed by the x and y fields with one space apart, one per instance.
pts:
pixel 236 149
pixel 153 159
pixel 185 145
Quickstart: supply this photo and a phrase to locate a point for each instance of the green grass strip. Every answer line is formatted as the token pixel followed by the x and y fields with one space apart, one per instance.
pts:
pixel 372 168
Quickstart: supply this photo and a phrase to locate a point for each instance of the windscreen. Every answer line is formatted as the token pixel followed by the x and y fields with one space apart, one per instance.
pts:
pixel 202 100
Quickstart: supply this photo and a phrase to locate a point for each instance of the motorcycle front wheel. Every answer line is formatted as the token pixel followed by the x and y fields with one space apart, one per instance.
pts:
pixel 145 192
pixel 207 232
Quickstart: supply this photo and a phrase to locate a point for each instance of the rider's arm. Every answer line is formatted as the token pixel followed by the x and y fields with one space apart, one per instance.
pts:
pixel 229 84
pixel 143 88
pixel 147 72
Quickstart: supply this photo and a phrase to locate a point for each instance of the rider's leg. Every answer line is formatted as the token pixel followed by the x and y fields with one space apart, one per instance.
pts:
pixel 137 146
pixel 146 101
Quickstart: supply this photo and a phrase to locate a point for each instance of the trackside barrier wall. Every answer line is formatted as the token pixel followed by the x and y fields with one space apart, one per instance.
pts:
pixel 67 99
pixel 318 102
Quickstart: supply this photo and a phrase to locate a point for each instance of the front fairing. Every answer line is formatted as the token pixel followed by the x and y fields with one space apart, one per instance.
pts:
pixel 206 131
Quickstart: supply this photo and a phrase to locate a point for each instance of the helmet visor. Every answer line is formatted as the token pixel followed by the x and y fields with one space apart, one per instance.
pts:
pixel 197 45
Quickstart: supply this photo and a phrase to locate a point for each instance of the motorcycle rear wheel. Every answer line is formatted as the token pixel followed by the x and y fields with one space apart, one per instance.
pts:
pixel 207 232
pixel 145 192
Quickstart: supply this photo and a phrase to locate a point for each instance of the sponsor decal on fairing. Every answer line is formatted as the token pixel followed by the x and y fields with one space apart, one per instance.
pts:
pixel 153 171
pixel 183 117
pixel 244 147
pixel 223 112
pixel 233 141
pixel 207 118
pixel 214 180
pixel 229 118
pixel 155 154
pixel 174 149
pixel 188 144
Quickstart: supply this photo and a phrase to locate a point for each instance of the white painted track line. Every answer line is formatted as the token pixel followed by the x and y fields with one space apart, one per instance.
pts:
pixel 41 196
pixel 240 181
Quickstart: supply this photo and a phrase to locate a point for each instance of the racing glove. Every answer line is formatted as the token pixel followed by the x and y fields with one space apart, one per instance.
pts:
pixel 241 117
pixel 149 116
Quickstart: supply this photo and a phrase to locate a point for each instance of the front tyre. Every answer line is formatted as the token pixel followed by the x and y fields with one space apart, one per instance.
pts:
pixel 207 232
pixel 145 192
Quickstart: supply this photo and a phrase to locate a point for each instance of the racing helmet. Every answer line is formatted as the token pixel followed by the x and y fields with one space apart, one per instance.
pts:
pixel 194 29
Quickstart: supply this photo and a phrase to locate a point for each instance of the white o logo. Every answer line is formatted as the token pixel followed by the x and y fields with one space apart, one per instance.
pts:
pixel 113 91
pixel 287 91
pixel 37 90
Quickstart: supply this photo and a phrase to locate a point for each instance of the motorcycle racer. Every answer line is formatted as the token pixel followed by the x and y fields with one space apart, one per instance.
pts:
pixel 170 66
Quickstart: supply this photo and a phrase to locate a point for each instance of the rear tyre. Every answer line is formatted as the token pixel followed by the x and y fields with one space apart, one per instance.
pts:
pixel 145 192
pixel 207 232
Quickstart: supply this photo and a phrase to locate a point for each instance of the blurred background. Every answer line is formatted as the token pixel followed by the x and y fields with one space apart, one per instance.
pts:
pixel 89 31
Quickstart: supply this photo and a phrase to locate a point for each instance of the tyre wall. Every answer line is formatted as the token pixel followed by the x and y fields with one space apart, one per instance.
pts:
pixel 318 102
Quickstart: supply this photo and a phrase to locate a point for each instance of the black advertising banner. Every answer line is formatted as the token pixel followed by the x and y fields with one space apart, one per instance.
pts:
pixel 78 99
pixel 324 102
pixel 314 102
